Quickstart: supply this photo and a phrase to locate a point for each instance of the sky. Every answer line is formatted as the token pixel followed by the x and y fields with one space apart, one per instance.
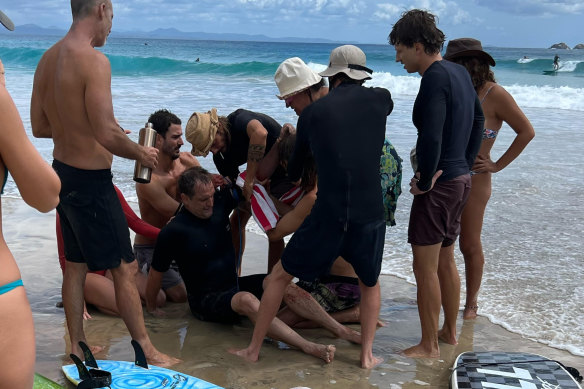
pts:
pixel 502 23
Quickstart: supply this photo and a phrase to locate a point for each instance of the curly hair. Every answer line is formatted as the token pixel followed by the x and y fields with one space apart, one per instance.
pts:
pixel 418 26
pixel 161 121
pixel 479 70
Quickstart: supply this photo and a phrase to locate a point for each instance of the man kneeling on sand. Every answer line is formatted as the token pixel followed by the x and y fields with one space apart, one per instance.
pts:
pixel 199 240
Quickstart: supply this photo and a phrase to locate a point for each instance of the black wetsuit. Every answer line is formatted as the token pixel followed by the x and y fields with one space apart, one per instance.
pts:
pixel 449 119
pixel 203 251
pixel 228 163
pixel 345 131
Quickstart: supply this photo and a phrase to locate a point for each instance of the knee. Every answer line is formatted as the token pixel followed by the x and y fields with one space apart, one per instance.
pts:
pixel 177 294
pixel 471 247
pixel 244 303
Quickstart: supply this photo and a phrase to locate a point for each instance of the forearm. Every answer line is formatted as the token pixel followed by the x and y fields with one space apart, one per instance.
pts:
pixel 517 146
pixel 152 288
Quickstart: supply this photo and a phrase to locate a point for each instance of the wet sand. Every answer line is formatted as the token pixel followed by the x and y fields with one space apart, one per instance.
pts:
pixel 202 346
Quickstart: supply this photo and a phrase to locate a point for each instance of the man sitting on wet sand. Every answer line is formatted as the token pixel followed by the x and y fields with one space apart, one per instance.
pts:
pixel 199 240
pixel 159 199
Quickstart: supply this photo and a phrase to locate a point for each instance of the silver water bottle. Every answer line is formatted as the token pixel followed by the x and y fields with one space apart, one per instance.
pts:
pixel 147 137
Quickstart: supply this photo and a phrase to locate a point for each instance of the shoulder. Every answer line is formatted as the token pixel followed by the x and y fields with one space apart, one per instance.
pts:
pixel 188 160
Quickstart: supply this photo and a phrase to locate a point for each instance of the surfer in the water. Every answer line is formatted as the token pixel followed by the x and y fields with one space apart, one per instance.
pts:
pixel 556 62
pixel 72 104
pixel 199 240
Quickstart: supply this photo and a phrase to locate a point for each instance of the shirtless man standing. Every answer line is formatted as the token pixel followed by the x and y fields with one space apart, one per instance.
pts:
pixel 72 103
pixel 160 199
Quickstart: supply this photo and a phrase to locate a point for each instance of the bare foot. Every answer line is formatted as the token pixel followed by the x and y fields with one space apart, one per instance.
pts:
pixel 380 323
pixel 324 352
pixel 246 354
pixel 419 351
pixel 350 335
pixel 444 336
pixel 94 350
pixel 470 312
pixel 370 362
pixel 159 359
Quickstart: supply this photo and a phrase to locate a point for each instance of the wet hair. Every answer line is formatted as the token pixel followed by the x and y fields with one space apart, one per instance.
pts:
pixel 479 70
pixel 189 179
pixel 161 121
pixel 417 26
pixel 82 8
pixel 285 150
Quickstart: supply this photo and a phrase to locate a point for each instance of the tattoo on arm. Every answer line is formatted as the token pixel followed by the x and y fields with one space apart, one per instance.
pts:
pixel 255 153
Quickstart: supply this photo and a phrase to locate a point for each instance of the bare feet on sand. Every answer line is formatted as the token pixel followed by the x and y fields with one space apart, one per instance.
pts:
pixel 418 351
pixel 370 362
pixel 245 353
pixel 162 360
pixel 322 351
pixel 350 335
pixel 470 312
pixel 447 337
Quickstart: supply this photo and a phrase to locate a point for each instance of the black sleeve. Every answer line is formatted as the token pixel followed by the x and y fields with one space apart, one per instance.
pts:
pixel 432 99
pixel 476 135
pixel 164 250
pixel 301 149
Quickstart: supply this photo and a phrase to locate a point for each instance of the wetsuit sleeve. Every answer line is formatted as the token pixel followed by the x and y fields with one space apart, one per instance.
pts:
pixel 387 96
pixel 164 250
pixel 301 150
pixel 137 225
pixel 431 115
pixel 476 135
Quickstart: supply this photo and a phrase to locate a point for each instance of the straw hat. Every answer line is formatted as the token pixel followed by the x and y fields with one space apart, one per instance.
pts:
pixel 6 22
pixel 350 60
pixel 467 47
pixel 200 131
pixel 294 76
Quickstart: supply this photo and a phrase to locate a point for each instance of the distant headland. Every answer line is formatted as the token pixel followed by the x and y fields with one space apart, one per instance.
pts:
pixel 564 46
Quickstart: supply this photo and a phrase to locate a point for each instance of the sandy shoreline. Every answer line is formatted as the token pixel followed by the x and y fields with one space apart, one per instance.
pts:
pixel 202 346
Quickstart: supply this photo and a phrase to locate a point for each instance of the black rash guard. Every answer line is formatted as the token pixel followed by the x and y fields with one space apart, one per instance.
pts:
pixel 345 131
pixel 202 248
pixel 228 163
pixel 449 119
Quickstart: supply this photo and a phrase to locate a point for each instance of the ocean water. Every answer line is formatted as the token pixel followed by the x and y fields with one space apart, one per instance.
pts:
pixel 533 223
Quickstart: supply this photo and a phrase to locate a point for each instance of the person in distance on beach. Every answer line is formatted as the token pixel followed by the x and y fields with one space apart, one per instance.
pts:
pixel 242 137
pixel 449 120
pixel 39 187
pixel 345 131
pixel 72 104
pixel 498 107
pixel 159 199
pixel 199 240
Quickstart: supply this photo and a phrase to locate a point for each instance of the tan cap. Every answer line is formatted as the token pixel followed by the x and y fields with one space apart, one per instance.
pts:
pixel 350 60
pixel 200 131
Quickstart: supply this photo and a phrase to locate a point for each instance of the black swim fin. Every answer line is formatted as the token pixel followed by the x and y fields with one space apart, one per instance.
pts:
pixel 93 378
pixel 140 359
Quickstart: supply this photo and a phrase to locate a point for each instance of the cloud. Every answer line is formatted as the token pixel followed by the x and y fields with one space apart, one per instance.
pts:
pixel 534 7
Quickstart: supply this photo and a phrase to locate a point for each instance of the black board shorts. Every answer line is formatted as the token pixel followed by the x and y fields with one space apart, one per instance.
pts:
pixel 319 241
pixel 93 224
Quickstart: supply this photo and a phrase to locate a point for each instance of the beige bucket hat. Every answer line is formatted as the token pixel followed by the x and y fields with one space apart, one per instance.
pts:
pixel 294 76
pixel 200 131
pixel 6 22
pixel 350 60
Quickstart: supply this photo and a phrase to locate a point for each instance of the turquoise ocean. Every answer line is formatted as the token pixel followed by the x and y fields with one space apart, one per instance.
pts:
pixel 534 222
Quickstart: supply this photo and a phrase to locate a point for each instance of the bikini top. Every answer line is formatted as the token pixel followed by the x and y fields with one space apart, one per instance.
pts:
pixel 488 133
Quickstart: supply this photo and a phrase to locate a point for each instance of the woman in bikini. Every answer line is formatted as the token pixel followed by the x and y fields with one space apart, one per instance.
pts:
pixel 498 107
pixel 39 187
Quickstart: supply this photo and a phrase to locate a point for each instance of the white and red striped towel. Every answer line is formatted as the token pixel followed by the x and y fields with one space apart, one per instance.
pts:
pixel 262 207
